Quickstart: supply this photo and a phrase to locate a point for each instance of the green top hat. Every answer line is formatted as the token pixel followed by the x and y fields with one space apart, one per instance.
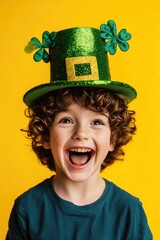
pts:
pixel 78 58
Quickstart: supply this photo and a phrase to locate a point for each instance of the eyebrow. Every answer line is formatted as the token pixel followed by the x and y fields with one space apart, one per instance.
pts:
pixel 103 114
pixel 67 110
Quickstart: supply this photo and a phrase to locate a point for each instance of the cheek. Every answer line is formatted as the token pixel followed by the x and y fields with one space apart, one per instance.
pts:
pixel 57 139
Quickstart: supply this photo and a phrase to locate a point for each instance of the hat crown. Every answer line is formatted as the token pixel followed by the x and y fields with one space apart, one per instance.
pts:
pixel 78 54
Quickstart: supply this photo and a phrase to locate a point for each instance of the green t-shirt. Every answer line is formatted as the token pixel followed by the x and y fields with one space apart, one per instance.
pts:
pixel 40 214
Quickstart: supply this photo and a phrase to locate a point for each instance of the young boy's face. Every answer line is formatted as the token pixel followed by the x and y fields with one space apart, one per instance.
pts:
pixel 79 141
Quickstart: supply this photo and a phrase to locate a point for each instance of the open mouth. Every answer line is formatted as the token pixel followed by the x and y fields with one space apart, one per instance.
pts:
pixel 80 156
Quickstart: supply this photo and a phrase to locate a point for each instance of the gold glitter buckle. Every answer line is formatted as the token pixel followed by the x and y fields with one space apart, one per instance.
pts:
pixel 90 62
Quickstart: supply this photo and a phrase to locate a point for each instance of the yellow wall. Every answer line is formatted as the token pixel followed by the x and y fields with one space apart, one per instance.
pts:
pixel 21 20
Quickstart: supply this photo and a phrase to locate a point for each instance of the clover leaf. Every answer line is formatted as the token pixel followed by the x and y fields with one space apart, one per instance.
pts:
pixel 48 40
pixel 109 32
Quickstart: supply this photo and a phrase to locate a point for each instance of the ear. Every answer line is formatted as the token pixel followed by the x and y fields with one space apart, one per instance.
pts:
pixel 46 145
pixel 113 141
pixel 111 147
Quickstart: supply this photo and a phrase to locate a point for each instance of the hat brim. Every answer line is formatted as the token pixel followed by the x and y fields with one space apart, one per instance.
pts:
pixel 39 91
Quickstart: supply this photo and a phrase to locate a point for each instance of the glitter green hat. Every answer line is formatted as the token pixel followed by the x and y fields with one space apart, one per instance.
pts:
pixel 78 58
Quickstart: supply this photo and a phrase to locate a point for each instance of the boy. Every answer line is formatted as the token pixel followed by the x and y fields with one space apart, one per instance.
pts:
pixel 78 125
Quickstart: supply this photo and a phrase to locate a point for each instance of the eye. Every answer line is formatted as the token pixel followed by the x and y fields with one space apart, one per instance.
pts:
pixel 97 122
pixel 66 120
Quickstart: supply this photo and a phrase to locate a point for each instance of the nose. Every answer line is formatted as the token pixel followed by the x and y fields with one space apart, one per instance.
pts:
pixel 81 133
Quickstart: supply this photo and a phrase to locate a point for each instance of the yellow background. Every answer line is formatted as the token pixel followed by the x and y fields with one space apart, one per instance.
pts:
pixel 21 20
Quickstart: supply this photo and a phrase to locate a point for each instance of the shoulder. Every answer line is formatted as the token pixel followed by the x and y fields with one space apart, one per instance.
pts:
pixel 122 199
pixel 34 196
pixel 128 208
pixel 29 208
pixel 120 193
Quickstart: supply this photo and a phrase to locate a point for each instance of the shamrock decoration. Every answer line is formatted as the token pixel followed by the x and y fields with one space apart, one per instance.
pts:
pixel 47 42
pixel 109 31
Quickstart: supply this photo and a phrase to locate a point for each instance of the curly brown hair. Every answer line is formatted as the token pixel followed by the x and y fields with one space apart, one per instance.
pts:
pixel 43 112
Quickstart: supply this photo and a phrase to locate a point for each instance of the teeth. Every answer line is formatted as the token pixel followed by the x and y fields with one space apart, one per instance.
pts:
pixel 80 150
